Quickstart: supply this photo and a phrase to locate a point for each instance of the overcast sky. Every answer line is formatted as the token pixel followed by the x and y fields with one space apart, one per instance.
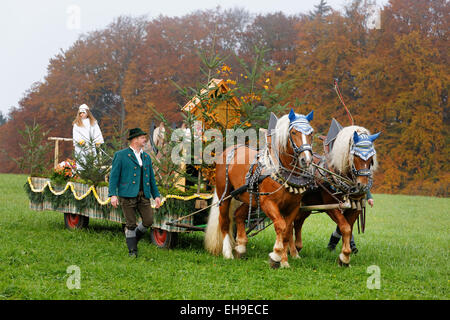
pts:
pixel 33 31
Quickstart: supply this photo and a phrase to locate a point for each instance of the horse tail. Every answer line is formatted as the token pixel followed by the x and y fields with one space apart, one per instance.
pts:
pixel 213 234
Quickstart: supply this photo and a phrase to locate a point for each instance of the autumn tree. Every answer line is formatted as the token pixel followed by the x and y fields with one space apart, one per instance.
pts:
pixel 394 79
pixel 276 33
pixel 404 83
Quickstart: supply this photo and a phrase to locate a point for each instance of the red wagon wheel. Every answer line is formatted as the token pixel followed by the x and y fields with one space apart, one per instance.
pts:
pixel 163 238
pixel 75 221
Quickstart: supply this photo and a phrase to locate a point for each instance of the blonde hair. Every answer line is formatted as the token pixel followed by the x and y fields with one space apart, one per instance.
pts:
pixel 79 121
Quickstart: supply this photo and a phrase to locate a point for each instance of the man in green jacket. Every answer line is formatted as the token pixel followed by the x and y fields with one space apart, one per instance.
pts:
pixel 131 184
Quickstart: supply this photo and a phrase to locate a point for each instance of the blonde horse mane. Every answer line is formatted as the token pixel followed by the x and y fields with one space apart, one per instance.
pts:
pixel 280 141
pixel 340 158
pixel 282 132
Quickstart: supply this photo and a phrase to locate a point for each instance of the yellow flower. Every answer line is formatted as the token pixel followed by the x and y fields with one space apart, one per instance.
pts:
pixel 267 80
pixel 266 87
pixel 226 68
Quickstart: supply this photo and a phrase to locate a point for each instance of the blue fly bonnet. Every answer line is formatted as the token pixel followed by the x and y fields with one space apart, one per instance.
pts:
pixel 301 122
pixel 363 145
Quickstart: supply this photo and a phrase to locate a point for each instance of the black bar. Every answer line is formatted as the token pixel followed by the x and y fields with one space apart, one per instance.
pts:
pixel 185 226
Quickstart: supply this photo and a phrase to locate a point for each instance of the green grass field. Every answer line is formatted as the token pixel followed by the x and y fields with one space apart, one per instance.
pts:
pixel 407 237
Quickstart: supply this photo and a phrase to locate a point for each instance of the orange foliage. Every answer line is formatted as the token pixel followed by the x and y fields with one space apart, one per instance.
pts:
pixel 394 79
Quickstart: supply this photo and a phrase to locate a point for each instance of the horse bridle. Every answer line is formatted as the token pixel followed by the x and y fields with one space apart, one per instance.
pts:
pixel 361 172
pixel 302 126
pixel 366 172
pixel 298 150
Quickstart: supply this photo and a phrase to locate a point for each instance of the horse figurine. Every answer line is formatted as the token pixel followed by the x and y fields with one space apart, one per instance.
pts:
pixel 281 182
pixel 353 156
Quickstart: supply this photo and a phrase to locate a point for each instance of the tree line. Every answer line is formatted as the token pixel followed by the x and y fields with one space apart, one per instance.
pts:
pixel 393 78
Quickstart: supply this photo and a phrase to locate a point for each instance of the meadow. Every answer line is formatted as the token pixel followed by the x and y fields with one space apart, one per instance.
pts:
pixel 407 239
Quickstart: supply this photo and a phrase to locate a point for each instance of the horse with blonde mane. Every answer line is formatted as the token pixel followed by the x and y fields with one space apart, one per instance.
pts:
pixel 279 191
pixel 353 156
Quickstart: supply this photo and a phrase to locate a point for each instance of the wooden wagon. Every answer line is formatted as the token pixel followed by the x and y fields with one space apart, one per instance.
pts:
pixel 80 202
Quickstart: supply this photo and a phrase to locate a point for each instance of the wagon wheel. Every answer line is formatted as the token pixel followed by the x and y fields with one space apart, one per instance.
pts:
pixel 75 221
pixel 163 238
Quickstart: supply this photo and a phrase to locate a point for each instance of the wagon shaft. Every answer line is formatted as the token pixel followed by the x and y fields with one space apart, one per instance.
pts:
pixel 345 205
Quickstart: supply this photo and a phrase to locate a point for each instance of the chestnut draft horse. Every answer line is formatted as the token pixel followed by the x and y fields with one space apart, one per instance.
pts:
pixel 354 157
pixel 288 153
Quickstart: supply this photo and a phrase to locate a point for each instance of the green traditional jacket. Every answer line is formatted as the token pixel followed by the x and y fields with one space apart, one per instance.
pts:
pixel 126 175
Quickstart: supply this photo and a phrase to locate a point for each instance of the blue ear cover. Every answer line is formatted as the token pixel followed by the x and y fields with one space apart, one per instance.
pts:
pixel 373 137
pixel 291 115
pixel 355 137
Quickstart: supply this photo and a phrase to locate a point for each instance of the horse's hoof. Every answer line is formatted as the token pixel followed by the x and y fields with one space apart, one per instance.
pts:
pixel 285 265
pixel 342 263
pixel 274 264
pixel 355 250
pixel 241 256
pixel 299 249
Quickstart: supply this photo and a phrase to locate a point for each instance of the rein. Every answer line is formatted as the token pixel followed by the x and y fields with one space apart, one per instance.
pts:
pixel 343 184
pixel 338 92
pixel 297 151
pixel 362 173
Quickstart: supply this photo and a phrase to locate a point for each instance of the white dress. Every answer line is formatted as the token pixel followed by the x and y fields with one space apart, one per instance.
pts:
pixel 91 135
pixel 158 136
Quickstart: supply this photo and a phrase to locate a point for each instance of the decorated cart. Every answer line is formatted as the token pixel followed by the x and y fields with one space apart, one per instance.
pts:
pixel 80 202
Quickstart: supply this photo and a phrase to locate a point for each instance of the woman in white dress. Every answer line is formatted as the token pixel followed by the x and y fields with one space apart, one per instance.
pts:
pixel 158 135
pixel 86 132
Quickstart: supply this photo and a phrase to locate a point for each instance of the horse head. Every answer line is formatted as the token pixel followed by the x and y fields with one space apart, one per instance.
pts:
pixel 363 152
pixel 300 138
pixel 353 155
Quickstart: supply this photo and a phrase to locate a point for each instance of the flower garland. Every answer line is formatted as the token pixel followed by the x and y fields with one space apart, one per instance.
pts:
pixel 107 201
